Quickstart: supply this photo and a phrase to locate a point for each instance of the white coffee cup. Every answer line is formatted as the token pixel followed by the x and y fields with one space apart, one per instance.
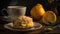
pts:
pixel 15 11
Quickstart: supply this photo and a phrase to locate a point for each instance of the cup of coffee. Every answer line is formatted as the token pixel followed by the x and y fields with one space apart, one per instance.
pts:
pixel 15 11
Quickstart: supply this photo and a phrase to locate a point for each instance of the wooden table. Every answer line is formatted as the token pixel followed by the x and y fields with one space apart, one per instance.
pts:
pixel 6 31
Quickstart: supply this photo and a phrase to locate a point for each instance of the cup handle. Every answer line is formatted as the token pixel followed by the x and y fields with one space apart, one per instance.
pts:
pixel 3 10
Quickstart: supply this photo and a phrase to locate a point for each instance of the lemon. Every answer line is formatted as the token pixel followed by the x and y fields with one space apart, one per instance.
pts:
pixel 49 17
pixel 50 28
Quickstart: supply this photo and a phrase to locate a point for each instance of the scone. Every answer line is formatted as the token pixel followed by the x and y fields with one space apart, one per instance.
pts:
pixel 23 22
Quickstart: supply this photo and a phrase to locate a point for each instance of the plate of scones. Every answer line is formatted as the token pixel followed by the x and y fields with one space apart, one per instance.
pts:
pixel 23 23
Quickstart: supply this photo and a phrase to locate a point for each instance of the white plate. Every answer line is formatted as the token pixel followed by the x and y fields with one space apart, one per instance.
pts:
pixel 10 27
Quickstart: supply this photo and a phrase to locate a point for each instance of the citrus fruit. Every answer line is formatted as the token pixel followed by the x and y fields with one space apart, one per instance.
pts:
pixel 49 17
pixel 37 11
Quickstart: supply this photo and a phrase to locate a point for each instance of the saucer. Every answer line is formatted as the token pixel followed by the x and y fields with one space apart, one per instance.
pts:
pixel 10 27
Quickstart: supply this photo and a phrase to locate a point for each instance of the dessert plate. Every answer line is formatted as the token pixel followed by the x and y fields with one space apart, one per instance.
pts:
pixel 10 27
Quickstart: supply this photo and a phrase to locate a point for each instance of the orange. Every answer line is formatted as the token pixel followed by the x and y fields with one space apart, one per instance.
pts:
pixel 49 17
pixel 37 11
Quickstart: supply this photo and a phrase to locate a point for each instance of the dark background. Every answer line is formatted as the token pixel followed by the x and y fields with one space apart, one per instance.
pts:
pixel 29 4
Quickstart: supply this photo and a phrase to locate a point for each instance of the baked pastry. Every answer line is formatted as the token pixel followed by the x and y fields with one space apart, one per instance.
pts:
pixel 23 22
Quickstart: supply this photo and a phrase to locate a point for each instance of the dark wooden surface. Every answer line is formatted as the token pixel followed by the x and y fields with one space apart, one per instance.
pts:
pixel 40 31
pixel 7 31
